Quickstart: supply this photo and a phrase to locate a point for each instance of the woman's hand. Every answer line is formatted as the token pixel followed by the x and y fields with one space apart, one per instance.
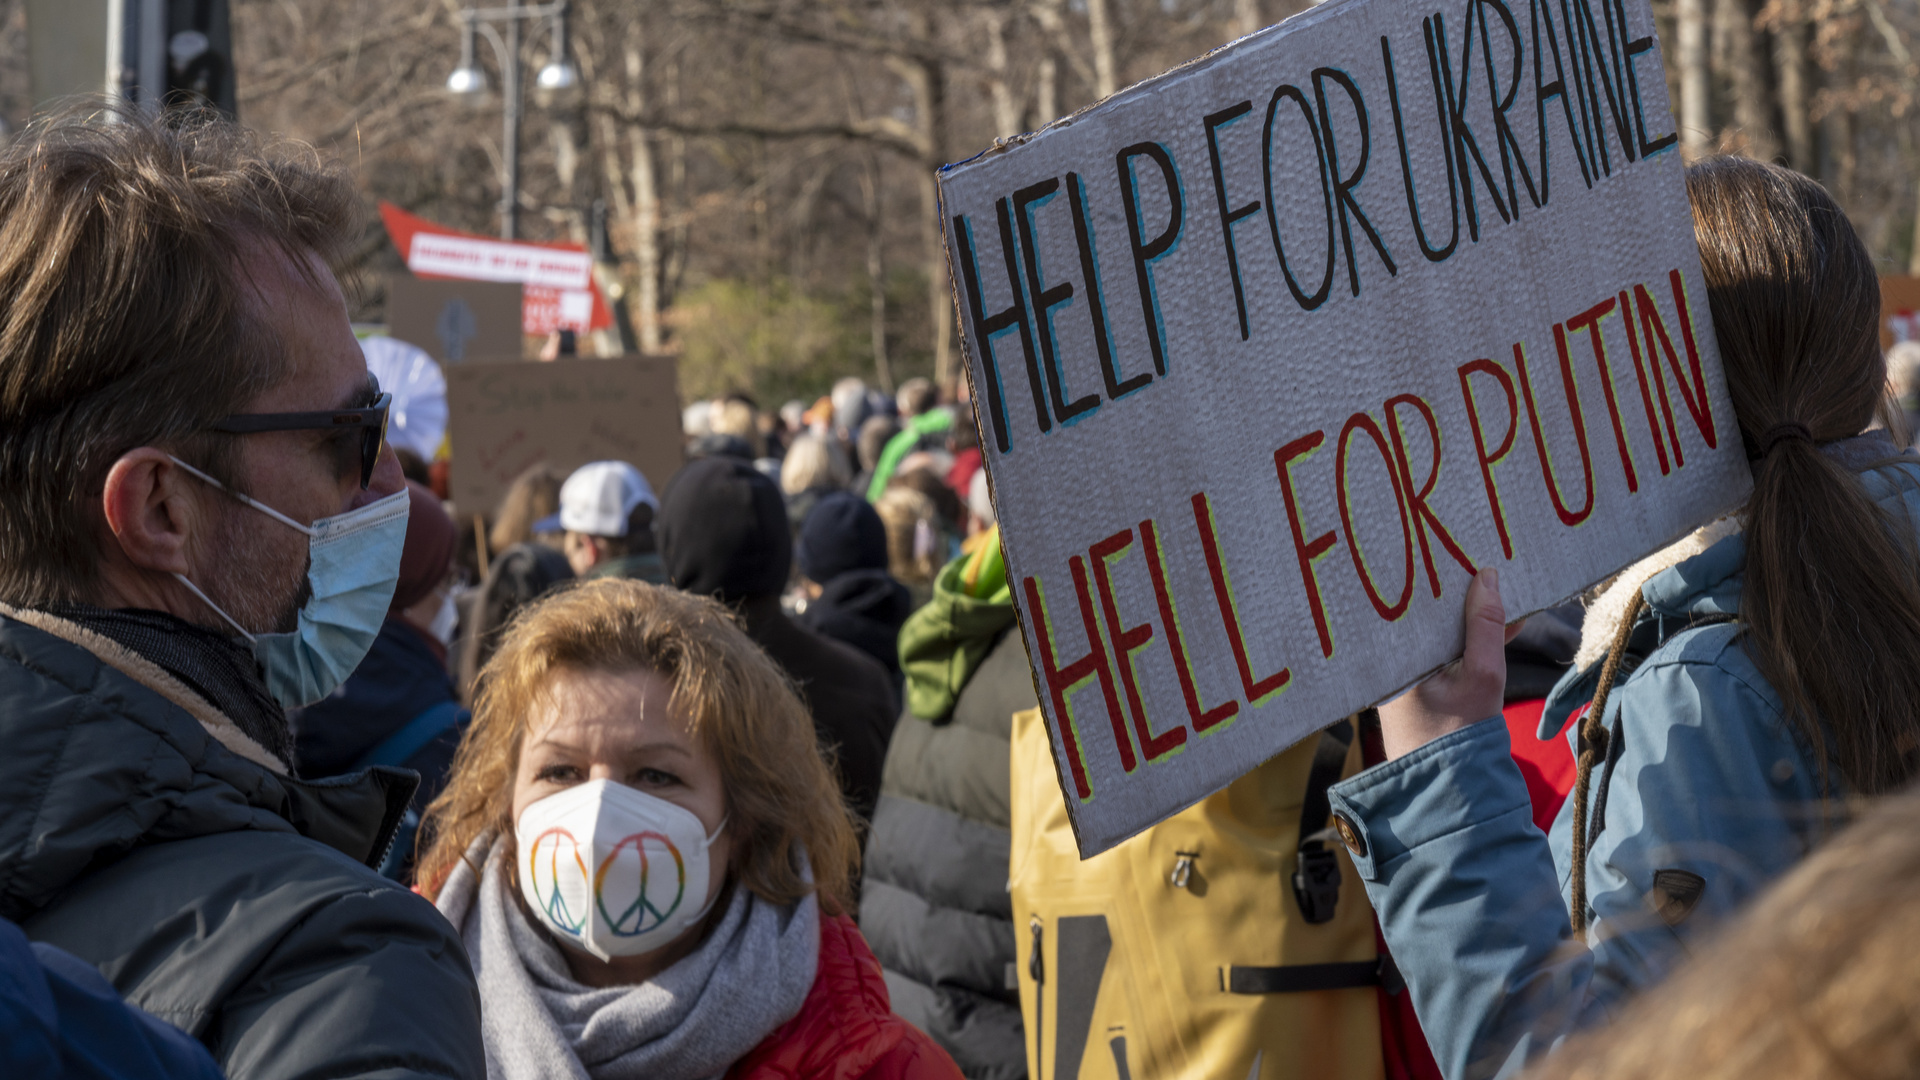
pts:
pixel 1464 692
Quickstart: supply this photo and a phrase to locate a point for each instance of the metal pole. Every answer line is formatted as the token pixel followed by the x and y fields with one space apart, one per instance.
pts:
pixel 152 55
pixel 510 78
pixel 116 81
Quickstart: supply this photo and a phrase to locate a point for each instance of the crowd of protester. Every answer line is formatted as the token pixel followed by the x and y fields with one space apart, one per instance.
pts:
pixel 739 771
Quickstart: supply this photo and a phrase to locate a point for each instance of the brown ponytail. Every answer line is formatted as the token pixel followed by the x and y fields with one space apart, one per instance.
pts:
pixel 1832 593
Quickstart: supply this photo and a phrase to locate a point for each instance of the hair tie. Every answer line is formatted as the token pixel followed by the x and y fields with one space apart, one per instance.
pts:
pixel 1780 433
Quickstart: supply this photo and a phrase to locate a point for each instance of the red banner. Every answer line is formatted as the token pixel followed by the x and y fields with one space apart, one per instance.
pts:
pixel 556 280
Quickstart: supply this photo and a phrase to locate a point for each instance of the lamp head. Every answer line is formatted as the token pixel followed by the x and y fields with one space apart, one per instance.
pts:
pixel 467 82
pixel 557 84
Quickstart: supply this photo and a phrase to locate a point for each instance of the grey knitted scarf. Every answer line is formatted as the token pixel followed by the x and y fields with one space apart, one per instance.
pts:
pixel 690 1022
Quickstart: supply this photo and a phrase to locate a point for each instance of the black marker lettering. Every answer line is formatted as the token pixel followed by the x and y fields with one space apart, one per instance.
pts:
pixel 1213 122
pixel 1343 186
pixel 1144 250
pixel 1306 302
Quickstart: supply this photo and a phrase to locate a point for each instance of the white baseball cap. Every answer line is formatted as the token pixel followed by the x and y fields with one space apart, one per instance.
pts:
pixel 598 498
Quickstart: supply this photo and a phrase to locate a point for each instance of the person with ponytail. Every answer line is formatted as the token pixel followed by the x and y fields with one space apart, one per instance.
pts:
pixel 1735 695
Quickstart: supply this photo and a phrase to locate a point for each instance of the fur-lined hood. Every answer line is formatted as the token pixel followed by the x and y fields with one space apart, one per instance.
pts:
pixel 1606 610
pixel 1703 572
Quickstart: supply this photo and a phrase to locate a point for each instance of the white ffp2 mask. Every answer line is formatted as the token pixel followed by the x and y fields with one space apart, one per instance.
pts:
pixel 612 870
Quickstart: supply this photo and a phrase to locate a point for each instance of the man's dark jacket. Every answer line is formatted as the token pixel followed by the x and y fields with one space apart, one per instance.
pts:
pixel 142 832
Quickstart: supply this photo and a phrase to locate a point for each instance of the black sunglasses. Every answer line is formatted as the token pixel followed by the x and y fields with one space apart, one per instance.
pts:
pixel 371 420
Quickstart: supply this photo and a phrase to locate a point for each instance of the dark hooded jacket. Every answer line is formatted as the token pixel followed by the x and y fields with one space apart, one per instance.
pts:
pixel 723 533
pixel 934 903
pixel 143 832
pixel 865 609
pixel 843 547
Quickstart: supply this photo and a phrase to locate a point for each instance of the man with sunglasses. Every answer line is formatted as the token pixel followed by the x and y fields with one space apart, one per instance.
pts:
pixel 200 527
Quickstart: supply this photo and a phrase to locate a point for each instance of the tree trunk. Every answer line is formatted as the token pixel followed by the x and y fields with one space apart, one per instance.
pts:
pixel 674 267
pixel 1793 78
pixel 1913 259
pixel 1046 90
pixel 1246 17
pixel 939 297
pixel 1006 111
pixel 1752 94
pixel 1053 26
pixel 1100 25
pixel 646 212
pixel 926 81
pixel 1696 124
pixel 870 191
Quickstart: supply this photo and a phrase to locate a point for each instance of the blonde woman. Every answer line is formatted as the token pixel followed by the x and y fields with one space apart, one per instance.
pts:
pixel 916 543
pixel 649 861
pixel 814 463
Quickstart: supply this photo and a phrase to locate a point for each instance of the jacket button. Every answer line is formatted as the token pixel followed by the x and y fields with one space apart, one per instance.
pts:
pixel 1350 836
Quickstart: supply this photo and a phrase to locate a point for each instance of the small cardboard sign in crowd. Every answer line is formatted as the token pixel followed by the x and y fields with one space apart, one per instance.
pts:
pixel 505 418
pixel 1271 353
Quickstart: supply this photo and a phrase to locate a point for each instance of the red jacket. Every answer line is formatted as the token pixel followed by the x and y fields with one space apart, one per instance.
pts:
pixel 846 1029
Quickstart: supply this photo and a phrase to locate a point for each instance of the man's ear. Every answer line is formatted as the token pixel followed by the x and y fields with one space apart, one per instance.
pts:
pixel 151 511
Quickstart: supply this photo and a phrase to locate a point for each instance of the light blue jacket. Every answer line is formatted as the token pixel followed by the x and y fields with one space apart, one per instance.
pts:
pixel 1706 777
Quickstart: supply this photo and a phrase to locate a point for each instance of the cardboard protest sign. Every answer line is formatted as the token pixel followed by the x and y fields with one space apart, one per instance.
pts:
pixel 1271 352
pixel 508 417
pixel 455 321
pixel 1899 310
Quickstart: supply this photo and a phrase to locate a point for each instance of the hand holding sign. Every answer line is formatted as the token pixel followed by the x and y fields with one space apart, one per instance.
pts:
pixel 1466 691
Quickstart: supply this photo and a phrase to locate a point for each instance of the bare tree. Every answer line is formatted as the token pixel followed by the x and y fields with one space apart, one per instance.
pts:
pixel 1696 121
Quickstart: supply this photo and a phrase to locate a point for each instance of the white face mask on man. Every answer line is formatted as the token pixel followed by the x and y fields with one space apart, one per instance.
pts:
pixel 353 567
pixel 614 871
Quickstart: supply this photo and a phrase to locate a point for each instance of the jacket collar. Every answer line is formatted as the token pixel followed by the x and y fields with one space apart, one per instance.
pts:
pixel 156 764
pixel 153 677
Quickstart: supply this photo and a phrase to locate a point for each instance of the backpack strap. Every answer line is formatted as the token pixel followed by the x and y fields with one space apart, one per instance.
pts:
pixel 1307 978
pixel 1316 876
pixel 414 735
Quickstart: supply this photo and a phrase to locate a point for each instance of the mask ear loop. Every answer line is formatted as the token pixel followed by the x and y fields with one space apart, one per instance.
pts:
pixel 241 630
pixel 249 500
pixel 263 508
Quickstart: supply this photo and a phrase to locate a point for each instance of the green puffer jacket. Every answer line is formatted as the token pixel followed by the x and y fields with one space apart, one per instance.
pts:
pixel 143 832
pixel 934 903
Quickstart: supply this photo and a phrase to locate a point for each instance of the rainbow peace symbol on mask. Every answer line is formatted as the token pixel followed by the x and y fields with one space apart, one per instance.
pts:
pixel 630 887
pixel 559 877
pixel 626 882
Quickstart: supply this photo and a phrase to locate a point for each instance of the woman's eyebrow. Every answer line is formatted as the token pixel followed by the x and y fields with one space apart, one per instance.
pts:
pixel 644 748
pixel 658 747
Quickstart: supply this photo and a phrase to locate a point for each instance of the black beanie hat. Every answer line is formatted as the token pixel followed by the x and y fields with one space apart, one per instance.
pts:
pixel 842 532
pixel 723 530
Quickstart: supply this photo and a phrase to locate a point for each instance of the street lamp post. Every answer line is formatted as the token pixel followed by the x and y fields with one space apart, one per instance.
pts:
pixel 468 81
